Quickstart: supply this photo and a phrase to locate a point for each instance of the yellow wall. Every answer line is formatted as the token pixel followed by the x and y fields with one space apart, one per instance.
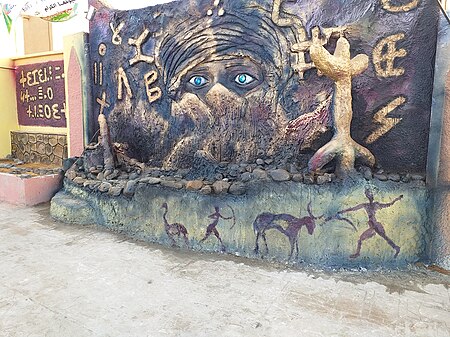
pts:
pixel 36 58
pixel 8 109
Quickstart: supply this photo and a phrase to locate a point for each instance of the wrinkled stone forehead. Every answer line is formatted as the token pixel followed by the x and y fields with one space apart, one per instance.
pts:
pixel 236 31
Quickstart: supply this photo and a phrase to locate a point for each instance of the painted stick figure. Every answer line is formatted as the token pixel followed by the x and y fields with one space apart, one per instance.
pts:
pixel 375 227
pixel 211 229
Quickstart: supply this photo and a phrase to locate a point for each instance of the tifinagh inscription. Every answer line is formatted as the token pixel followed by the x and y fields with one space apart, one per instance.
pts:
pixel 41 94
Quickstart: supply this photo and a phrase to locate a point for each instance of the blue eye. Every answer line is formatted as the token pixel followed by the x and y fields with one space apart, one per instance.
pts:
pixel 243 79
pixel 198 81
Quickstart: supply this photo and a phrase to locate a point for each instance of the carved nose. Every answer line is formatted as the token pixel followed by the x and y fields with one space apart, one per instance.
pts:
pixel 219 95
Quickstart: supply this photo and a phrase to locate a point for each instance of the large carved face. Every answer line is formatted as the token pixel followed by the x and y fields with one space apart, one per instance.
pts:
pixel 228 89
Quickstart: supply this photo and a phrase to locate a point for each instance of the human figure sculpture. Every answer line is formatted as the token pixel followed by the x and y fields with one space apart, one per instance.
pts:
pixel 375 227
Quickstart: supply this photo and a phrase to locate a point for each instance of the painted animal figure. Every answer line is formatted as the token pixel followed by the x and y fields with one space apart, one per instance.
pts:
pixel 266 221
pixel 174 229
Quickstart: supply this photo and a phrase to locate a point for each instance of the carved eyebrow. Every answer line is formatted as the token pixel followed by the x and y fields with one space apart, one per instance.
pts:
pixel 236 65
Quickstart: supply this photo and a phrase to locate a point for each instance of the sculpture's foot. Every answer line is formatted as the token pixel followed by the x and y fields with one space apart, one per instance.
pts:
pixel 345 151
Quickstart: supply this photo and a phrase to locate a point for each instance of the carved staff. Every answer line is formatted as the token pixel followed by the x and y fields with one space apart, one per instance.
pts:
pixel 105 141
pixel 341 69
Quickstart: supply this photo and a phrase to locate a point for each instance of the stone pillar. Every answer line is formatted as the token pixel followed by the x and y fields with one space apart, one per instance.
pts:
pixel 78 92
pixel 440 207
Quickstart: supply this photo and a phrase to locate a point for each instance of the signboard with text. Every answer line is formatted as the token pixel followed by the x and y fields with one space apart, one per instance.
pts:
pixel 41 94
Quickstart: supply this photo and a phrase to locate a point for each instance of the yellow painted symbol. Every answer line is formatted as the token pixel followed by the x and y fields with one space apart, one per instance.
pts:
pixel 116 38
pixel 122 80
pixel 98 73
pixel 384 55
pixel 102 102
pixel 220 11
pixel 102 49
pixel 154 93
pixel 386 123
pixel 138 44
pixel 387 5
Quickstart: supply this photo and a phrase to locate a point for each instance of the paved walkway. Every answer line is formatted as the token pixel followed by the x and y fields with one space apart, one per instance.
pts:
pixel 58 280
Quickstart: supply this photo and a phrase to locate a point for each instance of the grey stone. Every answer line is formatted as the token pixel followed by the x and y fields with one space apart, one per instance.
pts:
pixel 381 177
pixel 259 174
pixel 268 161
pixel 151 180
pixel 298 177
pixel 292 168
pixel 406 178
pixel 134 176
pixel 259 161
pixel 237 188
pixel 79 180
pixel 246 176
pixel 218 176
pixel 71 174
pixel 104 187
pixel 394 177
pixel 172 184
pixel 221 187
pixel 94 185
pixel 113 175
pixel 250 167
pixel 367 173
pixel 308 179
pixel 207 189
pixel 194 185
pixel 101 176
pixel 124 176
pixel 417 177
pixel 115 191
pixel 279 175
pixel 130 188
pixel 234 173
pixel 323 179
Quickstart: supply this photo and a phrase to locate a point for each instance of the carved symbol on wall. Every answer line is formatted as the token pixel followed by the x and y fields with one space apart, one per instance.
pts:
pixel 386 123
pixel 216 4
pixel 102 49
pixel 341 68
pixel 303 44
pixel 122 80
pixel 387 5
pixel 102 102
pixel 384 55
pixel 98 73
pixel 138 44
pixel 155 93
pixel 116 38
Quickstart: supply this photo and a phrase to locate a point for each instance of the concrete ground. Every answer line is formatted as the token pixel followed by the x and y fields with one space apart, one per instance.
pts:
pixel 60 280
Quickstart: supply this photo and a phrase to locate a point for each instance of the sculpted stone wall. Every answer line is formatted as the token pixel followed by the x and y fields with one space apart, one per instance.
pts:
pixel 39 147
pixel 234 81
pixel 289 130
